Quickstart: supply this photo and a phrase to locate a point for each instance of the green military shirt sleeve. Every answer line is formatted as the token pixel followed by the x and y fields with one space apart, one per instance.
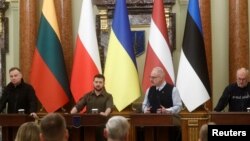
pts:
pixel 81 103
pixel 110 103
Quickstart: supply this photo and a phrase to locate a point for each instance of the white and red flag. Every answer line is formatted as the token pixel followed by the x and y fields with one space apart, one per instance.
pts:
pixel 86 58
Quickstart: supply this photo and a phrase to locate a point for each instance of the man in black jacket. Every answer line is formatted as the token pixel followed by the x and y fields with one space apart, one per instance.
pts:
pixel 18 94
pixel 236 95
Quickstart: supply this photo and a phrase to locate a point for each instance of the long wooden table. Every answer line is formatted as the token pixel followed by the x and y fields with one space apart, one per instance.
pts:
pixel 81 127
pixel 154 126
pixel 10 124
pixel 230 118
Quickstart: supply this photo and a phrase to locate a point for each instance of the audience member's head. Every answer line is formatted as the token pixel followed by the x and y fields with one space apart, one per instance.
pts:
pixel 53 128
pixel 117 129
pixel 203 135
pixel 28 131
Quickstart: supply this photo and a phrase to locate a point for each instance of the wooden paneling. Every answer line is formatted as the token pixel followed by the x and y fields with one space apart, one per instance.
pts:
pixel 28 35
pixel 238 36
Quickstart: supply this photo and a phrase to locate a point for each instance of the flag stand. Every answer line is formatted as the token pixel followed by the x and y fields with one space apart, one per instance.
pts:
pixel 41 109
pixel 62 110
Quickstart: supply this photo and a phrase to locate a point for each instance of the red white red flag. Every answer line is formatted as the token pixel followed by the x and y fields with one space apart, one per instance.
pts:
pixel 158 50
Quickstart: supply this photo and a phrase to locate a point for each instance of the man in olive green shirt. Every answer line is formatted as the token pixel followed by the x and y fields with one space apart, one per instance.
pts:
pixel 97 99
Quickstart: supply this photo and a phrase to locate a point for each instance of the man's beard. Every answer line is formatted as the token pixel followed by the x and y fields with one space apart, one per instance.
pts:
pixel 98 89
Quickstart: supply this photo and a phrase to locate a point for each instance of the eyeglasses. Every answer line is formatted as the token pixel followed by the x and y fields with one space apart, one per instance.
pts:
pixel 153 77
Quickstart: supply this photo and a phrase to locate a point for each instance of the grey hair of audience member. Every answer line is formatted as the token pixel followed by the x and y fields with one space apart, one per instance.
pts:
pixel 117 128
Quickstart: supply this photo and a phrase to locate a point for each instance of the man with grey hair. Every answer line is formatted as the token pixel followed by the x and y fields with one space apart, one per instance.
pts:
pixel 53 128
pixel 117 129
pixel 237 94
pixel 161 97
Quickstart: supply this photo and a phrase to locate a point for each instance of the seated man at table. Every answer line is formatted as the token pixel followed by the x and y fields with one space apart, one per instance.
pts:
pixel 18 94
pixel 97 99
pixel 237 94
pixel 161 97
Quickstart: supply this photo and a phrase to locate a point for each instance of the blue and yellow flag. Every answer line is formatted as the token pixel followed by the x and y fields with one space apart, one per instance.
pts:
pixel 121 74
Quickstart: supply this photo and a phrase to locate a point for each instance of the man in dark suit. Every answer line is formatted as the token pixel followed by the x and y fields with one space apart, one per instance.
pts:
pixel 19 95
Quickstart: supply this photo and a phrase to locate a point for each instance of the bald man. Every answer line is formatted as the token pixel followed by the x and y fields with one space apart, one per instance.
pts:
pixel 161 97
pixel 237 94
